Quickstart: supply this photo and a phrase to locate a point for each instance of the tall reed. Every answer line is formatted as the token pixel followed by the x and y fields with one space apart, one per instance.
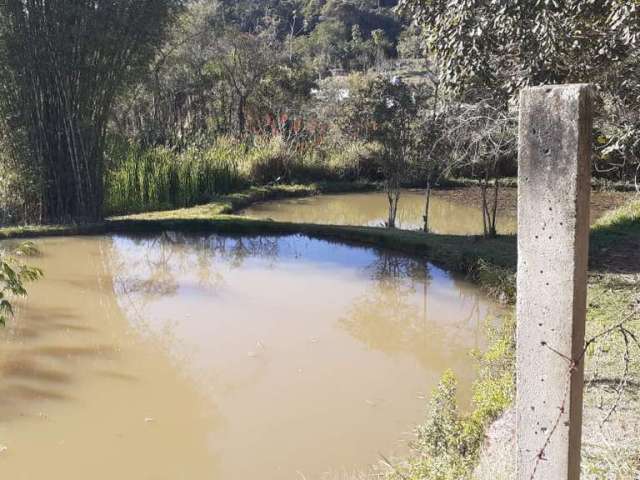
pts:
pixel 159 178
pixel 140 180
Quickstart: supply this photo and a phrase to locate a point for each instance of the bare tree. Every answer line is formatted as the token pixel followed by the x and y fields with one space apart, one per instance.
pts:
pixel 480 136
pixel 245 61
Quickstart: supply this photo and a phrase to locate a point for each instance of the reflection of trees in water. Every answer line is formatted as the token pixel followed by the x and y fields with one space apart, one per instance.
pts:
pixel 389 317
pixel 153 268
pixel 398 268
pixel 386 317
pixel 147 269
pixel 156 267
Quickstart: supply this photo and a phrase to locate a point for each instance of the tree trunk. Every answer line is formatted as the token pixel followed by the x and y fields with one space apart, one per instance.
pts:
pixel 435 102
pixel 242 101
pixel 489 214
pixel 485 208
pixel 494 214
pixel 393 196
pixel 426 208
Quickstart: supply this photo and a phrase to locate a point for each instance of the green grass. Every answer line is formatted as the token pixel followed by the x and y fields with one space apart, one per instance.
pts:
pixel 610 448
pixel 143 180
pixel 611 444
pixel 37 231
pixel 617 226
pixel 233 202
pixel 160 178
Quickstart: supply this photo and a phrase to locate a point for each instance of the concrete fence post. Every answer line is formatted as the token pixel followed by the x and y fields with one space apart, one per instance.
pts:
pixel 553 241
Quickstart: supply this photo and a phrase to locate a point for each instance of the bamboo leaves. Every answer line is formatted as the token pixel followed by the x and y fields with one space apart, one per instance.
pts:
pixel 13 276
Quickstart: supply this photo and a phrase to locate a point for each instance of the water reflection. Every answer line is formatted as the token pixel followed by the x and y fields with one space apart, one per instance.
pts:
pixel 304 355
pixel 446 215
pixel 435 329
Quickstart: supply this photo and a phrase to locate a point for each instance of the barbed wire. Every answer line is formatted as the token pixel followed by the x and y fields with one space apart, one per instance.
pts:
pixel 572 367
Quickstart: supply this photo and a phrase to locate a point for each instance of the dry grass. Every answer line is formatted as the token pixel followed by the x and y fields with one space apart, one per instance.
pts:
pixel 611 418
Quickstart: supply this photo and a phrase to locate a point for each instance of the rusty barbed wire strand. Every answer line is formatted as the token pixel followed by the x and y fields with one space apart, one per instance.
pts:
pixel 572 367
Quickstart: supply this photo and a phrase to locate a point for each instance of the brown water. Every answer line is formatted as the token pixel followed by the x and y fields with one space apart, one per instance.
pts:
pixel 447 215
pixel 456 211
pixel 175 357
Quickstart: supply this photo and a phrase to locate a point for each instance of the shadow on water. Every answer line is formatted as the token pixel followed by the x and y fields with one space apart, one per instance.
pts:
pixel 44 345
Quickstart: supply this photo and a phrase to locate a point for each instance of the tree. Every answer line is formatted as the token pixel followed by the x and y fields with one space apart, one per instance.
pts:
pixel 245 62
pixel 62 64
pixel 210 80
pixel 428 146
pixel 325 48
pixel 526 43
pixel 480 136
pixel 410 44
pixel 504 46
pixel 381 111
pixel 381 45
pixel 180 97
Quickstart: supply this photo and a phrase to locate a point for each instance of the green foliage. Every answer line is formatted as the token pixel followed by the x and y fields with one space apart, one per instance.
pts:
pixel 386 111
pixel 159 178
pixel 380 110
pixel 410 43
pixel 616 229
pixel 61 66
pixel 499 282
pixel 501 47
pixel 494 391
pixel 443 442
pixel 13 276
pixel 521 42
pixel 269 160
pixel 355 160
pixel 449 443
pixel 19 187
pixel 142 180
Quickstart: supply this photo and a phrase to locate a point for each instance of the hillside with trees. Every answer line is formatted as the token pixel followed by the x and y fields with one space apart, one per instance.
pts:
pixel 253 92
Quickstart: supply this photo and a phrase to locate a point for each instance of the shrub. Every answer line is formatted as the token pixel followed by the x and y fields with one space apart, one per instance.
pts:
pixel 355 160
pixel 448 444
pixel 269 160
pixel 444 441
pixel 19 191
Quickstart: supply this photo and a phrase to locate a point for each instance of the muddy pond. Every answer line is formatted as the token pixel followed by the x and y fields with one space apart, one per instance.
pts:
pixel 454 211
pixel 193 357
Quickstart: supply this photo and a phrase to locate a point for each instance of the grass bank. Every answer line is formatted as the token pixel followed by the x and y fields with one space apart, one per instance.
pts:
pixel 234 202
pixel 597 184
pixel 611 423
pixel 219 205
pixel 488 261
